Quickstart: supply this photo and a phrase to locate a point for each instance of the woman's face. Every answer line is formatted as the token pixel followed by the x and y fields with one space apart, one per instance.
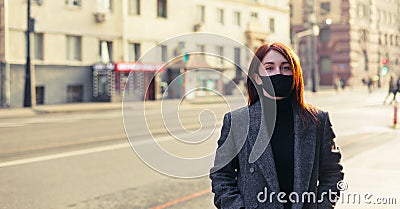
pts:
pixel 274 63
pixel 276 68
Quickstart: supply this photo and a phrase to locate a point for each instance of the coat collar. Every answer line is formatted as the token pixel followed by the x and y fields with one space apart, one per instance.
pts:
pixel 304 151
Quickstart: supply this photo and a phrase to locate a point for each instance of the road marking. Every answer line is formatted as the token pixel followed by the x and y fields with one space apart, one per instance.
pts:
pixel 64 144
pixel 182 199
pixel 81 152
pixel 11 125
pixel 63 155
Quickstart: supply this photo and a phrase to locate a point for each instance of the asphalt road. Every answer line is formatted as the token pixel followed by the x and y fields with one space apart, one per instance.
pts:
pixel 83 160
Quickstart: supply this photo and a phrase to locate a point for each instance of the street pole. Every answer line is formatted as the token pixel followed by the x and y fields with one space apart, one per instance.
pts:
pixel 28 101
pixel 312 48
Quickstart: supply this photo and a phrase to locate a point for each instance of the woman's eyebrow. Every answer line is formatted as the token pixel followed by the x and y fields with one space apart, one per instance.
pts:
pixel 269 63
pixel 272 63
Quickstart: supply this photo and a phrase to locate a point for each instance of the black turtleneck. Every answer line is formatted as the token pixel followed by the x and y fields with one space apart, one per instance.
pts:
pixel 282 143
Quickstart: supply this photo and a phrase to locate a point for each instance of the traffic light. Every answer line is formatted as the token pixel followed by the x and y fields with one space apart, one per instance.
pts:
pixel 385 67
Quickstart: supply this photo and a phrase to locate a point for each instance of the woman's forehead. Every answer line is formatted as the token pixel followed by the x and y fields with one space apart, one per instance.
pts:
pixel 274 57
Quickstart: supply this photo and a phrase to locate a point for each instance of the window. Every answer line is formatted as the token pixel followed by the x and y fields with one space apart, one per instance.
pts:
pixel 391 40
pixel 237 19
pixel 254 15
pixel 378 16
pixel 386 39
pixel 200 13
pixel 38 50
pixel 237 59
pixel 181 45
pixel 201 48
pixel 104 5
pixel 162 8
pixel 220 16
pixel 220 52
pixel 325 64
pixel 272 25
pixel 362 10
pixel 39 95
pixel 324 34
pixel 105 51
pixel 325 8
pixel 164 53
pixel 74 48
pixel 134 51
pixel 134 7
pixel 76 3
pixel 74 93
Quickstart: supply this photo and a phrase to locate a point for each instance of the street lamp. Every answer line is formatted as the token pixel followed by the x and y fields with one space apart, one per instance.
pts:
pixel 28 73
pixel 313 30
pixel 298 36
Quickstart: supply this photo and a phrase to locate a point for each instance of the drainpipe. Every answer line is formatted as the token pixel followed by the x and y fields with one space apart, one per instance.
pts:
pixel 7 77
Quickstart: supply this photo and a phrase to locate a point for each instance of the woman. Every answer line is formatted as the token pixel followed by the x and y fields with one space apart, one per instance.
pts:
pixel 298 165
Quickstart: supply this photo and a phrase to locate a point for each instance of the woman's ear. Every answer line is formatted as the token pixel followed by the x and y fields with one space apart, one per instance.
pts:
pixel 257 78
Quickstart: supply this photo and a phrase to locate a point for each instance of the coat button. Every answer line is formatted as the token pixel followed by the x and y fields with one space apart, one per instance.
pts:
pixel 255 205
pixel 251 170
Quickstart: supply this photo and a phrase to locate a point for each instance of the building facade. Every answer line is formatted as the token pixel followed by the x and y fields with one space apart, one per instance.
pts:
pixel 354 37
pixel 81 48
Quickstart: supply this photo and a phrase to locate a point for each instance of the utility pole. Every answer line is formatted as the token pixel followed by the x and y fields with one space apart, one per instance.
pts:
pixel 312 19
pixel 29 91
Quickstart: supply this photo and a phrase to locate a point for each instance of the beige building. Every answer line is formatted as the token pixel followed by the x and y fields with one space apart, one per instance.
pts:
pixel 82 50
pixel 354 37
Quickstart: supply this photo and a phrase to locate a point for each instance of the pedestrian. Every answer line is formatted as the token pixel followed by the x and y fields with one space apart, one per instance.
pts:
pixel 392 90
pixel 342 83
pixel 337 83
pixel 396 90
pixel 262 153
pixel 369 84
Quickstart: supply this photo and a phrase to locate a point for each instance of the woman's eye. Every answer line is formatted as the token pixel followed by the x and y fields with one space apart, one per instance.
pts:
pixel 286 68
pixel 269 68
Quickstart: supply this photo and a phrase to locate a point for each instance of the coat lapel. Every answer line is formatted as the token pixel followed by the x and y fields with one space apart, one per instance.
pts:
pixel 261 150
pixel 304 152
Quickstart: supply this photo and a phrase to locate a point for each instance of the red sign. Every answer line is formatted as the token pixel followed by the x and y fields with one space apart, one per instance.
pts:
pixel 138 66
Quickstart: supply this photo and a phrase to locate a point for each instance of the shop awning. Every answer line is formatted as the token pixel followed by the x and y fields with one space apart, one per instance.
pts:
pixel 138 66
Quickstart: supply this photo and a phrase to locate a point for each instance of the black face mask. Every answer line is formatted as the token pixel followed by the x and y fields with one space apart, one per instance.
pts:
pixel 281 84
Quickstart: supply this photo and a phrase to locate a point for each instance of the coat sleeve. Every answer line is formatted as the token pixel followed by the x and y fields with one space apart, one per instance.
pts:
pixel 224 177
pixel 331 170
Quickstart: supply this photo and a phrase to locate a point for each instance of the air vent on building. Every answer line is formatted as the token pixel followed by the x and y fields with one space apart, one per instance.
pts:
pixel 39 2
pixel 197 27
pixel 100 17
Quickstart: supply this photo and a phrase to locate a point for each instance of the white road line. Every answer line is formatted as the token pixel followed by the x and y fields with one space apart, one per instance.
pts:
pixel 63 155
pixel 79 152
pixel 11 125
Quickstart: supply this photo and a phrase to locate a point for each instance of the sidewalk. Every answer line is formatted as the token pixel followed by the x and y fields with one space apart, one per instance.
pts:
pixel 101 106
pixel 104 106
pixel 372 178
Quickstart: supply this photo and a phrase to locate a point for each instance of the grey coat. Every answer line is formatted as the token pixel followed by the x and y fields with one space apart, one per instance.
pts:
pixel 241 183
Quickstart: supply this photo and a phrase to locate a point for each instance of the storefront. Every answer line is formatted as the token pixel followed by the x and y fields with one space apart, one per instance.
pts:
pixel 135 81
